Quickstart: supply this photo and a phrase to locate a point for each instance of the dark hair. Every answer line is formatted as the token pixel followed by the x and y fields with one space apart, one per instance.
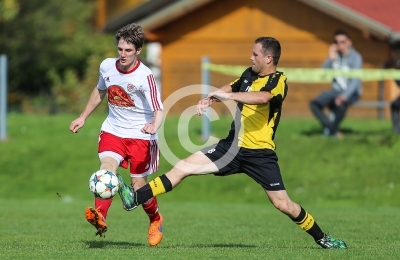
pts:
pixel 270 46
pixel 131 33
pixel 394 45
pixel 341 32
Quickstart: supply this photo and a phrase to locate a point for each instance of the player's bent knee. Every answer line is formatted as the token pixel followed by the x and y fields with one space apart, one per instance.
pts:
pixel 109 164
pixel 280 201
pixel 281 206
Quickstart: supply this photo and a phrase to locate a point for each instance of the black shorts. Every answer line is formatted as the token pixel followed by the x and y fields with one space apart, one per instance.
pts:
pixel 259 164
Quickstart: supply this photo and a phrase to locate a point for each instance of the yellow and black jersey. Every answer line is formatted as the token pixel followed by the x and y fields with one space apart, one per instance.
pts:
pixel 254 126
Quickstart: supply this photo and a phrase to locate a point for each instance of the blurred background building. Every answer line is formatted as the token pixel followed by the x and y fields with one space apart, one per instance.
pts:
pixel 224 30
pixel 60 69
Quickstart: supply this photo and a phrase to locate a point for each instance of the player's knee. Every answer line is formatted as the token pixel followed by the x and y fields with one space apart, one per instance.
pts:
pixel 183 169
pixel 109 164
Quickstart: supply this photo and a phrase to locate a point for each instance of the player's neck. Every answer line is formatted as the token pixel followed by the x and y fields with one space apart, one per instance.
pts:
pixel 128 67
pixel 267 71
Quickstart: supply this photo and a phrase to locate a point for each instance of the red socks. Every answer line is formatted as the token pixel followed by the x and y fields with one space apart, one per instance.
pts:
pixel 102 206
pixel 151 209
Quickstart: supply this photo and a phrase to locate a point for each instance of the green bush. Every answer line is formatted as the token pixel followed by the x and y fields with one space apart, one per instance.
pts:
pixel 54 53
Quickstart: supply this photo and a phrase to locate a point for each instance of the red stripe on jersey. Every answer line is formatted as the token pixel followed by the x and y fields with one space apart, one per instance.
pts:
pixel 153 92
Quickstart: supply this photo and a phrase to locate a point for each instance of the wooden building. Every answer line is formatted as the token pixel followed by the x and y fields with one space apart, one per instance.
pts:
pixel 224 30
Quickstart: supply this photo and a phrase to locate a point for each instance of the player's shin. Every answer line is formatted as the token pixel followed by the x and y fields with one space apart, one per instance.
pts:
pixel 102 205
pixel 308 224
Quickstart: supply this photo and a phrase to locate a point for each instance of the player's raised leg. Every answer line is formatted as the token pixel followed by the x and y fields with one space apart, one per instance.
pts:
pixel 303 219
pixel 195 164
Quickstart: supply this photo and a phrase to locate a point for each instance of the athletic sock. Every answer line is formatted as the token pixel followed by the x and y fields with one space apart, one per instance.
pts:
pixel 151 209
pixel 155 187
pixel 102 205
pixel 308 224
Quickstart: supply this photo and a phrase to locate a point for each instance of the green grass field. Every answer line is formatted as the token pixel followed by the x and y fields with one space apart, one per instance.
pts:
pixel 350 186
pixel 56 229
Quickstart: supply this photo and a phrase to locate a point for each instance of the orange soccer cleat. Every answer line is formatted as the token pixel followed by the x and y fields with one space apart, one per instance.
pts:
pixel 155 232
pixel 94 217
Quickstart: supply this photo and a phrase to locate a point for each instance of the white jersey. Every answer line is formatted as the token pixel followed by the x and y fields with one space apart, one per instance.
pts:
pixel 132 98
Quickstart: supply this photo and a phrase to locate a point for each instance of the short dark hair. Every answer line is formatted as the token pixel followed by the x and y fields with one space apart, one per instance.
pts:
pixel 270 46
pixel 131 33
pixel 394 45
pixel 341 32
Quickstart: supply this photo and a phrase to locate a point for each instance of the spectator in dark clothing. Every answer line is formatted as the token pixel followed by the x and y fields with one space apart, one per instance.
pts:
pixel 345 91
pixel 394 63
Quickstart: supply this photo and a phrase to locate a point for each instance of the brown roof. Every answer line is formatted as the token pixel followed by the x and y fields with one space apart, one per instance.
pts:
pixel 380 18
pixel 386 12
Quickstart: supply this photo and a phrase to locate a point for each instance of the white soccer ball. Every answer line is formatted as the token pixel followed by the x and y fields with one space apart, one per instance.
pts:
pixel 103 184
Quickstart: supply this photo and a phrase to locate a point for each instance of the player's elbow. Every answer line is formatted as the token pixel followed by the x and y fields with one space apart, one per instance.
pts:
pixel 264 98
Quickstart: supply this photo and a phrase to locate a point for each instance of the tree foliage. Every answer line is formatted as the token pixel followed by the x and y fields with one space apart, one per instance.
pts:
pixel 8 9
pixel 52 49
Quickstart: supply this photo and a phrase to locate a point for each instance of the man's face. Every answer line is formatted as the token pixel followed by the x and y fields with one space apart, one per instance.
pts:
pixel 343 43
pixel 259 61
pixel 127 53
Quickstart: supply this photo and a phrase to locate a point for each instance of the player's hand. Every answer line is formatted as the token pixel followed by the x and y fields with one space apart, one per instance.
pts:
pixel 339 100
pixel 77 124
pixel 333 51
pixel 149 129
pixel 202 105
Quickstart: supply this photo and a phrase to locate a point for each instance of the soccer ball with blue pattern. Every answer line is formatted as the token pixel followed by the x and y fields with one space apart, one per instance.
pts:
pixel 103 184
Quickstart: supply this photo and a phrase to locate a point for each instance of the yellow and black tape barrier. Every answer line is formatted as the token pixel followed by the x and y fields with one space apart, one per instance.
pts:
pixel 313 75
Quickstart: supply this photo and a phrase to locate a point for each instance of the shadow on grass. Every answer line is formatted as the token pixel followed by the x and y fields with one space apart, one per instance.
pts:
pixel 103 244
pixel 233 246
pixel 129 245
pixel 385 137
pixel 318 132
pixel 351 132
pixel 222 246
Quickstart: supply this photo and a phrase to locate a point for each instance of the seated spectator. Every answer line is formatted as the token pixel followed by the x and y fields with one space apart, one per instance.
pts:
pixel 345 91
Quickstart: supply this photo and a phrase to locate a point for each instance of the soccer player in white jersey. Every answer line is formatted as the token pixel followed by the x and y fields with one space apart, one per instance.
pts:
pixel 128 135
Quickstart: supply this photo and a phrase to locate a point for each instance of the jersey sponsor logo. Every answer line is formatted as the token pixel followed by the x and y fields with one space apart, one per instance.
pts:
pixel 117 96
pixel 130 87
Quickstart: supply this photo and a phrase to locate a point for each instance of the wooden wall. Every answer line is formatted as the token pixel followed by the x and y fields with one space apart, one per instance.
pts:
pixel 225 32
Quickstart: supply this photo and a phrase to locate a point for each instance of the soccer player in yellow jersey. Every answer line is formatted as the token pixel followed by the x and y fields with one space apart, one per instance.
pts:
pixel 249 147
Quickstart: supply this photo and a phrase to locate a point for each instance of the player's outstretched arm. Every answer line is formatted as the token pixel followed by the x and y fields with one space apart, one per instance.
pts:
pixel 207 101
pixel 94 101
pixel 251 98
